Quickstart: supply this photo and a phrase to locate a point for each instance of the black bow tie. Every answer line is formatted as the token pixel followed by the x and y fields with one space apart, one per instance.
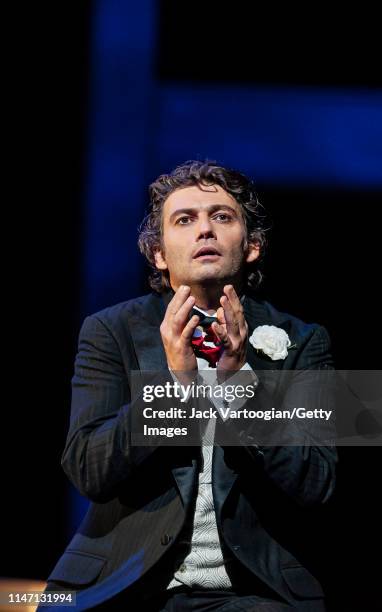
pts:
pixel 204 320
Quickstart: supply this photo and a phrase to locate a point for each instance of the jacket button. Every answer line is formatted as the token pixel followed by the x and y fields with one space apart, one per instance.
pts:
pixel 165 539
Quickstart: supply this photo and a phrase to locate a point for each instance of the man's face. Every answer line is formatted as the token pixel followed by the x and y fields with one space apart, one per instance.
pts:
pixel 204 237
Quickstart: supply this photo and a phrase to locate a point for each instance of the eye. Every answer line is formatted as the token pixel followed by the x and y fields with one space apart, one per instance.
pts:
pixel 183 220
pixel 223 217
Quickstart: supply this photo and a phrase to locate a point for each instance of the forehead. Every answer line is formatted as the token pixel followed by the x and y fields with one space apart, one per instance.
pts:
pixel 198 198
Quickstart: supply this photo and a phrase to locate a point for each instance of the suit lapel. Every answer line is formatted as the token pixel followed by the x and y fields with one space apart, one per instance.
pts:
pixel 185 478
pixel 257 314
pixel 144 322
pixel 223 478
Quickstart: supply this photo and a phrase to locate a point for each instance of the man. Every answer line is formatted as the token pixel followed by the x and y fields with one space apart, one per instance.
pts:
pixel 193 527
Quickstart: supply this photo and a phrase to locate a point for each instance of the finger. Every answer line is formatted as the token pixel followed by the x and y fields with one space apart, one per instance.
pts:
pixel 180 319
pixel 177 301
pixel 220 316
pixel 189 329
pixel 222 335
pixel 236 305
pixel 231 294
pixel 232 323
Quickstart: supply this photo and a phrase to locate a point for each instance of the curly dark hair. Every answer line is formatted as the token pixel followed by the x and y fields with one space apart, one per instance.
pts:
pixel 205 173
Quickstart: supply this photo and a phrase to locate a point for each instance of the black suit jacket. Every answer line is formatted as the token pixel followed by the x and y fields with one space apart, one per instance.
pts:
pixel 142 496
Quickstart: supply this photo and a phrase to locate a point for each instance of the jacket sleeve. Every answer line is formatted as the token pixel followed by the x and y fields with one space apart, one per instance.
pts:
pixel 304 472
pixel 99 455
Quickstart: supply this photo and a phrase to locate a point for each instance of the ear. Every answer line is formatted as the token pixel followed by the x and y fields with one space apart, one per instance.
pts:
pixel 160 261
pixel 253 252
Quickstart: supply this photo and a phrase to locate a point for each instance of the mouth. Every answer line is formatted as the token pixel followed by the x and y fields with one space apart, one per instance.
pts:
pixel 206 253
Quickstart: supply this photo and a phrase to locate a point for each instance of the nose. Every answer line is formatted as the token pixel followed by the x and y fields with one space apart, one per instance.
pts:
pixel 205 228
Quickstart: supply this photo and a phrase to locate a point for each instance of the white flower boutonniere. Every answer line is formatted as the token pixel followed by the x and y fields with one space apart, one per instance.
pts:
pixel 272 341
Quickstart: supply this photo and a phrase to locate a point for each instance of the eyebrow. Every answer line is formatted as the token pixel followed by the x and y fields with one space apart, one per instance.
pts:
pixel 211 208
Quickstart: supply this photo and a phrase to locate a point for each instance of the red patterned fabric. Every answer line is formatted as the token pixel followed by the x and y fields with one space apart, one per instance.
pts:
pixel 210 353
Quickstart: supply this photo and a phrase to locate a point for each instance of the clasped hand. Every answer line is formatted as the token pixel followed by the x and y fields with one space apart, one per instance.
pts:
pixel 231 328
